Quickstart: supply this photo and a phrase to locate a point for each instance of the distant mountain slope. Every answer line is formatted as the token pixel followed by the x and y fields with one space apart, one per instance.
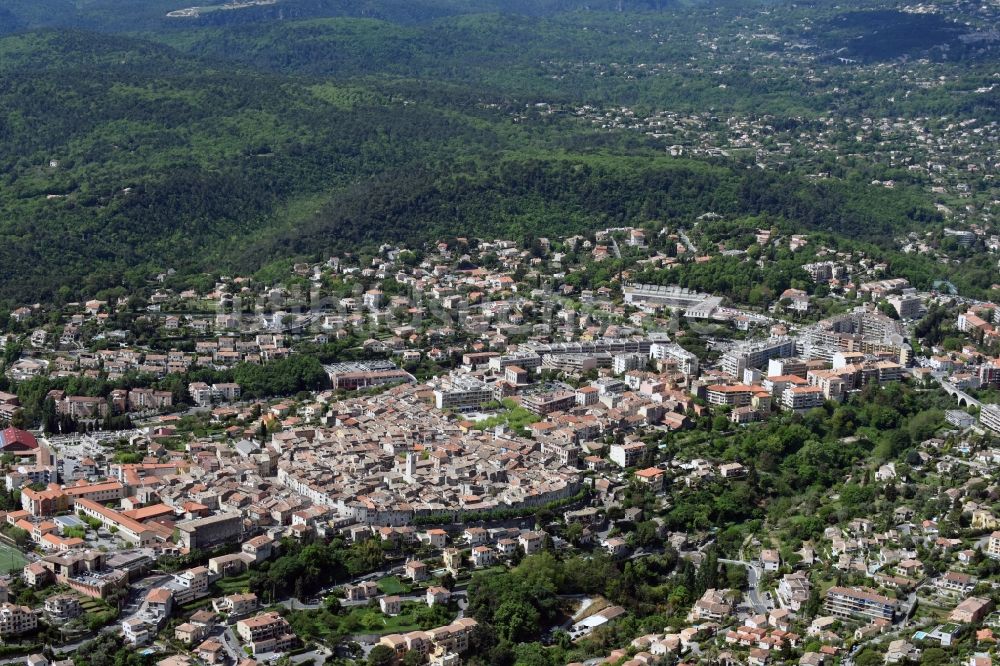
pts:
pixel 529 195
pixel 132 16
pixel 888 34
pixel 222 148
pixel 119 157
pixel 116 154
pixel 661 60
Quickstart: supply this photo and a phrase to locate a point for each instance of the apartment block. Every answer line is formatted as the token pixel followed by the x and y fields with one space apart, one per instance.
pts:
pixel 859 602
pixel 15 620
pixel 266 632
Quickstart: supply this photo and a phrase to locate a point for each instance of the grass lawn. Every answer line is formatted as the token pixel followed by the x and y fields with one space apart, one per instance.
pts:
pixel 513 416
pixel 408 620
pixel 398 625
pixel 321 624
pixel 11 559
pixel 393 585
pixel 92 605
pixel 196 605
pixel 234 584
pixel 826 584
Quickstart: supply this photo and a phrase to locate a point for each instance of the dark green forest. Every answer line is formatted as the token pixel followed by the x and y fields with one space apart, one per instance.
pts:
pixel 121 157
pixel 131 143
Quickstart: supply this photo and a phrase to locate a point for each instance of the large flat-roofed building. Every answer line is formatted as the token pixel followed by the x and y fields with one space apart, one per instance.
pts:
pixel 655 295
pixel 791 365
pixel 546 403
pixel 85 572
pixel 802 398
pixel 824 271
pixel 461 392
pixel 989 416
pixel 529 360
pixel 687 362
pixel 212 531
pixel 365 374
pixel 864 330
pixel 627 455
pixel 859 602
pixel 575 363
pixel 598 346
pixel 755 355
pixel 473 360
pixel 907 306
pixel 989 373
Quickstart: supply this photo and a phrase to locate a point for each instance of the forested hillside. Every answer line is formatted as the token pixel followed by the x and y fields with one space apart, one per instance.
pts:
pixel 117 154
pixel 120 157
pixel 655 59
pixel 151 15
pixel 573 193
pixel 237 137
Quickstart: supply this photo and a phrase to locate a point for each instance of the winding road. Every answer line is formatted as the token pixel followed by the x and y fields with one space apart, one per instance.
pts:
pixel 753 580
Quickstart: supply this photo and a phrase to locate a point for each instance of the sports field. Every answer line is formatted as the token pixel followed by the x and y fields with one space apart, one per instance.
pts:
pixel 11 559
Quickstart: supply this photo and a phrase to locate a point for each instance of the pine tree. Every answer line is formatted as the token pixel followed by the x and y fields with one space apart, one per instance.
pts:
pixel 50 419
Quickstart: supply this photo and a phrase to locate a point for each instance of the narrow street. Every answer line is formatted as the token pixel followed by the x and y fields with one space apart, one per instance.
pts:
pixel 754 575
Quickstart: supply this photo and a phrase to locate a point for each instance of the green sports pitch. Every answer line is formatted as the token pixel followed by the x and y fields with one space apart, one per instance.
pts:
pixel 11 559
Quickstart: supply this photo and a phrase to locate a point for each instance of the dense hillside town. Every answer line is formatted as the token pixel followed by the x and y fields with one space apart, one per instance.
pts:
pixel 374 453
pixel 499 333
